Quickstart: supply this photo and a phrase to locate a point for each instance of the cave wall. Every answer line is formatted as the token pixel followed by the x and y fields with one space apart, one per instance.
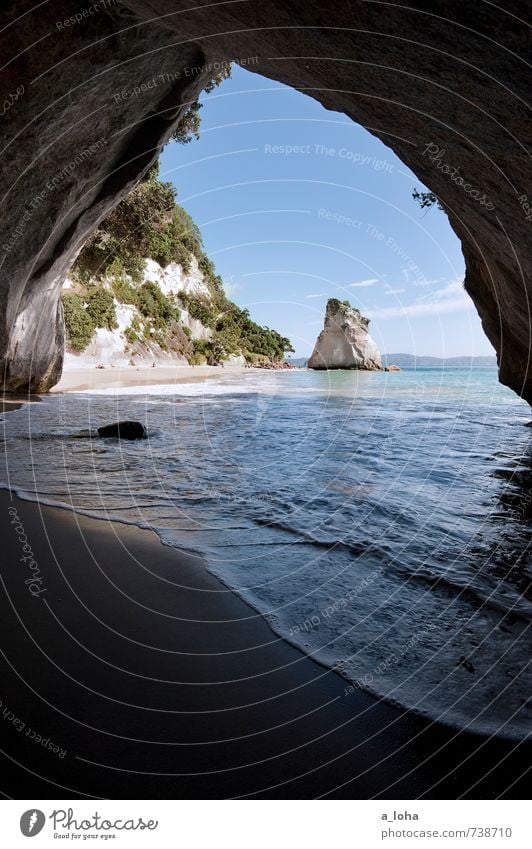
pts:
pixel 444 84
pixel 73 144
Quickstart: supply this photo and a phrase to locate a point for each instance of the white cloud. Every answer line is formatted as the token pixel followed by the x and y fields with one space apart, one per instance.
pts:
pixel 422 281
pixel 451 298
pixel 362 283
pixel 317 295
pixel 395 291
pixel 453 288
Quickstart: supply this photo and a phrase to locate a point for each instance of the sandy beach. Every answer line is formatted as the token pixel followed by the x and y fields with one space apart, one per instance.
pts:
pixel 129 671
pixel 76 380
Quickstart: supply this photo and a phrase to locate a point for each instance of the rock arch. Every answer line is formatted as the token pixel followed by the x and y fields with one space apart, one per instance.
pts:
pixel 92 88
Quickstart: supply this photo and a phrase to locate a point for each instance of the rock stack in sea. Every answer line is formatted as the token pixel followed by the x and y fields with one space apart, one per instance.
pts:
pixel 344 342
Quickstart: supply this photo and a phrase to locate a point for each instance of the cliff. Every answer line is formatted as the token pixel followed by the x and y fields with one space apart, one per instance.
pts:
pixel 344 342
pixel 133 337
pixel 142 290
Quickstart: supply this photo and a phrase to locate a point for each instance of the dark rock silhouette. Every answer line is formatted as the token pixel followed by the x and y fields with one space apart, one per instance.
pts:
pixel 466 663
pixel 124 430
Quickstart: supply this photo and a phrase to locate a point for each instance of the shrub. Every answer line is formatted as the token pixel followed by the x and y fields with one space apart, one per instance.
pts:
pixel 132 333
pixel 79 325
pixel 199 308
pixel 153 304
pixel 202 352
pixel 149 223
pixel 188 127
pixel 206 266
pixel 165 248
pixel 124 291
pixel 101 308
pixel 427 199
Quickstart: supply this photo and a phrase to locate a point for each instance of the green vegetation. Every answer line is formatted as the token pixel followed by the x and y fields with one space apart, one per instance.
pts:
pixel 202 352
pixel 101 308
pixel 83 315
pixel 198 307
pixel 152 304
pixel 78 324
pixel 426 200
pixel 134 332
pixel 159 310
pixel 236 333
pixel 149 223
pixel 124 291
pixel 189 125
pixel 335 303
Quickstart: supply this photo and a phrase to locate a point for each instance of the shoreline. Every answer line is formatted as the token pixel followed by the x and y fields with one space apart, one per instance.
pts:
pixel 91 377
pixel 145 644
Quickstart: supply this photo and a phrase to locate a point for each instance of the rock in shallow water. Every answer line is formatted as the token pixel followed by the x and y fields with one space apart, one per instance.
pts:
pixel 344 342
pixel 124 430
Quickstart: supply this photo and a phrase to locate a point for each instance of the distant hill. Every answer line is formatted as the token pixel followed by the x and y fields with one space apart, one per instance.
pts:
pixel 412 361
pixel 301 362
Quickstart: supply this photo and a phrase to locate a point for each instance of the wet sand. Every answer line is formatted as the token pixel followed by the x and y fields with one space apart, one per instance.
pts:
pixel 132 672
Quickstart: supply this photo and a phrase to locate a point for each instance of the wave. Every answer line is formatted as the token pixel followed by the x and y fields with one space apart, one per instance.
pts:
pixel 294 495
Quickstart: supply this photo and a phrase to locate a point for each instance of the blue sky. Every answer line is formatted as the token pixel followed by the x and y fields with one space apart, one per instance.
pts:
pixel 297 204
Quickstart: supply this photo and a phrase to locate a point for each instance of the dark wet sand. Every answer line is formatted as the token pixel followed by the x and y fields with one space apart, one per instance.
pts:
pixel 159 682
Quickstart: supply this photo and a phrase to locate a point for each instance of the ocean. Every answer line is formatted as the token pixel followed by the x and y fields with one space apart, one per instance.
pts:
pixel 378 521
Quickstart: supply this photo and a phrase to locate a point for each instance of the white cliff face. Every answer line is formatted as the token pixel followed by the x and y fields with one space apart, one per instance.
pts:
pixel 106 346
pixel 344 342
pixel 173 279
pixel 111 347
pixel 197 329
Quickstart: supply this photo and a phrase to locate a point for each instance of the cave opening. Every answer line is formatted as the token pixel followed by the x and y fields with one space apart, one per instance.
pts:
pixel 298 204
pixel 445 115
pixel 377 523
pixel 294 205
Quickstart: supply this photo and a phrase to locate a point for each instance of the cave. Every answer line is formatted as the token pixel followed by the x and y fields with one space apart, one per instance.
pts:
pixel 91 93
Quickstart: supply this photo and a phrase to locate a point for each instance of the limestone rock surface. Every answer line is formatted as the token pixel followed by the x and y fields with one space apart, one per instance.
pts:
pixel 87 106
pixel 344 342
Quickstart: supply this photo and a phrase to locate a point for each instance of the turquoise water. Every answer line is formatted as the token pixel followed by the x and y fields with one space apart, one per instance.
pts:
pixel 380 521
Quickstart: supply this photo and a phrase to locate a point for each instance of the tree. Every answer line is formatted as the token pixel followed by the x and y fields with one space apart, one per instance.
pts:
pixel 149 223
pixel 78 323
pixel 189 125
pixel 129 230
pixel 153 304
pixel 101 308
pixel 426 200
